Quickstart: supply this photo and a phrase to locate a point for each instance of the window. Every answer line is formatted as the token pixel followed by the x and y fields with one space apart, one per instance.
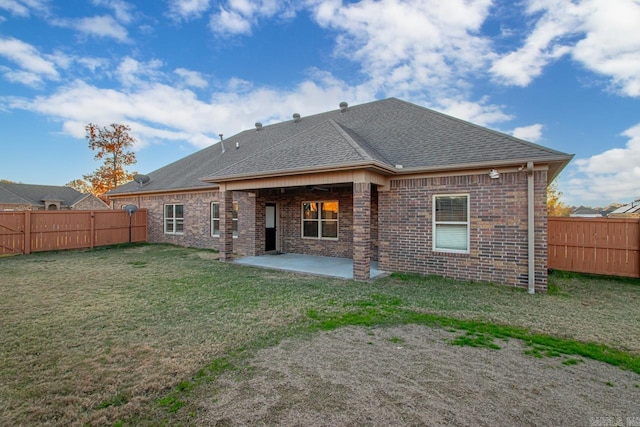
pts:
pixel 173 219
pixel 320 220
pixel 215 219
pixel 451 223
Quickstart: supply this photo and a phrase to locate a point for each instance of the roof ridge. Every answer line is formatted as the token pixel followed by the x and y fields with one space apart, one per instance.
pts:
pixel 351 141
pixel 359 148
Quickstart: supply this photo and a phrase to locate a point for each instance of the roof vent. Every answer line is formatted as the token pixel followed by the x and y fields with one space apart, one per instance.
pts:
pixel 222 142
pixel 296 117
pixel 343 106
pixel 258 126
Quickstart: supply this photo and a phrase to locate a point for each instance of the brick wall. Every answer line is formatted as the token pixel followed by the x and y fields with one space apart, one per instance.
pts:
pixel 197 219
pixel 498 228
pixel 16 207
pixel 90 203
pixel 290 221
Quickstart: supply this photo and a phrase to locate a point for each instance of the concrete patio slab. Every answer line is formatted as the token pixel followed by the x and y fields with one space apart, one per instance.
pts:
pixel 318 265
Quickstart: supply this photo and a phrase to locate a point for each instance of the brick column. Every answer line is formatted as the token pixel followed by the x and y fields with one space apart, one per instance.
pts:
pixel 226 225
pixel 361 230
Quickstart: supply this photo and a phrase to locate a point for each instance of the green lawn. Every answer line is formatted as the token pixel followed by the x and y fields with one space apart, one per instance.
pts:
pixel 121 335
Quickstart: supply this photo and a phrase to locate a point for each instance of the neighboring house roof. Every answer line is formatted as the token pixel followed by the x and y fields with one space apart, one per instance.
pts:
pixel 584 211
pixel 390 135
pixel 631 208
pixel 35 195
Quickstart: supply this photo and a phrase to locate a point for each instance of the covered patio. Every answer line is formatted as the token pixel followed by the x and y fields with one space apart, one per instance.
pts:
pixel 308 264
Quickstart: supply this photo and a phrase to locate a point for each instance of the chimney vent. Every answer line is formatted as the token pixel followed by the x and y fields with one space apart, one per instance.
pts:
pixel 343 107
pixel 258 126
pixel 296 117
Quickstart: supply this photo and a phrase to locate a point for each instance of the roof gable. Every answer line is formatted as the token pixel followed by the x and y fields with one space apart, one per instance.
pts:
pixel 327 143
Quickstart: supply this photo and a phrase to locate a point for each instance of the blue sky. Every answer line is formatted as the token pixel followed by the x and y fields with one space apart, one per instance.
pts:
pixel 564 74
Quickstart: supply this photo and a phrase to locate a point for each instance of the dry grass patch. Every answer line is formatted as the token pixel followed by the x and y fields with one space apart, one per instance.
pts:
pixel 100 336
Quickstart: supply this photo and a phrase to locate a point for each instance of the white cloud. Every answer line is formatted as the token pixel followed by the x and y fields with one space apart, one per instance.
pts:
pixel 162 112
pixel 611 176
pixel 229 22
pixel 187 9
pixel 101 26
pixel 97 26
pixel 121 9
pixel 612 44
pixel 34 66
pixel 23 8
pixel 412 46
pixel 602 35
pixel 131 72
pixel 14 7
pixel 479 112
pixel 237 17
pixel 530 133
pixel 23 77
pixel 191 78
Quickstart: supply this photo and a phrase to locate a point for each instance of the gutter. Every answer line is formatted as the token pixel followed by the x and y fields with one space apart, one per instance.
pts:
pixel 531 235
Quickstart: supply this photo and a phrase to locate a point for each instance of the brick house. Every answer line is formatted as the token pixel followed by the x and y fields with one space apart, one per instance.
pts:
pixel 414 189
pixel 28 197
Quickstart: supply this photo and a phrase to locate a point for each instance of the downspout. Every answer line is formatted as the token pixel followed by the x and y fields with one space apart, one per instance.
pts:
pixel 531 229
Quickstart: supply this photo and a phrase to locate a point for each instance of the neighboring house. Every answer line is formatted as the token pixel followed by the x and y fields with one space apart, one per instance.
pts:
pixel 27 197
pixel 414 189
pixel 632 210
pixel 585 212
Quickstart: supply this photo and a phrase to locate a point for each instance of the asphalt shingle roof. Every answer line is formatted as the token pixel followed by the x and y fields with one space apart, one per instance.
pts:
pixel 388 132
pixel 12 193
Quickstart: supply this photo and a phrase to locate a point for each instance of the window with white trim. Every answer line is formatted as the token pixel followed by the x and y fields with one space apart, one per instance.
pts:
pixel 451 223
pixel 215 219
pixel 320 220
pixel 173 219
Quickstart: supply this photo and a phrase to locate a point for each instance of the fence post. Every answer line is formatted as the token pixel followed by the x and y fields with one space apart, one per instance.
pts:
pixel 27 232
pixel 93 230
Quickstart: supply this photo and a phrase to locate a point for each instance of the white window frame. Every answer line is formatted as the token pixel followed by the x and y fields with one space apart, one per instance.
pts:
pixel 320 220
pixel 235 220
pixel 436 223
pixel 173 220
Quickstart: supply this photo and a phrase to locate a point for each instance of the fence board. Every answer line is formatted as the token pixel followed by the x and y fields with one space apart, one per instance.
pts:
pixel 608 246
pixel 37 231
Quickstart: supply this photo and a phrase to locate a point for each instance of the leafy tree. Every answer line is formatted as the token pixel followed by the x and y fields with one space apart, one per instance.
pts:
pixel 111 144
pixel 554 206
pixel 81 185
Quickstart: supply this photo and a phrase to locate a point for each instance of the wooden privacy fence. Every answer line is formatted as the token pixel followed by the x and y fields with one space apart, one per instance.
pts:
pixel 38 231
pixel 595 245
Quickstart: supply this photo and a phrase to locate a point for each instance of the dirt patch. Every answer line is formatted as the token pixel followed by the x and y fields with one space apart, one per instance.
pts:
pixel 208 255
pixel 412 375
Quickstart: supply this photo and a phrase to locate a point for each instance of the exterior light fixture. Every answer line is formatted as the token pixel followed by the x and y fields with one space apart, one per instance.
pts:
pixel 494 174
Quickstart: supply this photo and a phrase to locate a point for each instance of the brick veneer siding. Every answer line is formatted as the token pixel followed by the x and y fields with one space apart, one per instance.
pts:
pixel 289 205
pixel 16 207
pixel 197 219
pixel 290 221
pixel 251 220
pixel 361 230
pixel 498 228
pixel 90 203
